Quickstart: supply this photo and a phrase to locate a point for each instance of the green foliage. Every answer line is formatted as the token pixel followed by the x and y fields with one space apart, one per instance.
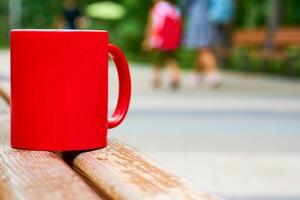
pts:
pixel 39 14
pixel 3 23
pixel 291 12
pixel 255 10
pixel 186 58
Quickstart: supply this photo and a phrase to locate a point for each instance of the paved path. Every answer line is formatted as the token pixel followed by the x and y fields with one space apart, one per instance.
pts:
pixel 241 141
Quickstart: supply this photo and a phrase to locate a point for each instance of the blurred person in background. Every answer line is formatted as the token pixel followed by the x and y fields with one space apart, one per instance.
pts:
pixel 221 13
pixel 199 36
pixel 162 37
pixel 71 18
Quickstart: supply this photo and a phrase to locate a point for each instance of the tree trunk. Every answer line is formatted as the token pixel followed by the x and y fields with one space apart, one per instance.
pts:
pixel 273 20
pixel 15 11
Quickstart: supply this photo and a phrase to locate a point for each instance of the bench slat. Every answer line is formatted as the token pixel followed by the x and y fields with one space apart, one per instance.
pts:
pixel 5 96
pixel 38 175
pixel 121 172
pixel 249 37
pixel 284 36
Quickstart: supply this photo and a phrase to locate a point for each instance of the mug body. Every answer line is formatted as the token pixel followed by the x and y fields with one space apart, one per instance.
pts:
pixel 59 89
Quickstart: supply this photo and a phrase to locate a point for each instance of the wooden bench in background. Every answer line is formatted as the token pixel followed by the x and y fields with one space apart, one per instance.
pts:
pixel 255 39
pixel 115 172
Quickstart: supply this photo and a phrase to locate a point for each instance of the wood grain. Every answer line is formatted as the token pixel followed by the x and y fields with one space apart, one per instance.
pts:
pixel 121 172
pixel 38 175
pixel 5 96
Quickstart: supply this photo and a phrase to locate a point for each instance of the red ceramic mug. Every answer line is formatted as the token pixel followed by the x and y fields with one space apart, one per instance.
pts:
pixel 59 89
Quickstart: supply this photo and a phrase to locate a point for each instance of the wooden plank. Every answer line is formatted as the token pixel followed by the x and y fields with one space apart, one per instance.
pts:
pixel 5 96
pixel 38 175
pixel 249 37
pixel 287 36
pixel 121 172
pixel 284 36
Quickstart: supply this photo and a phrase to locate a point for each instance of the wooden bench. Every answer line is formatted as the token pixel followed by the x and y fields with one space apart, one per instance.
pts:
pixel 115 172
pixel 5 96
pixel 255 39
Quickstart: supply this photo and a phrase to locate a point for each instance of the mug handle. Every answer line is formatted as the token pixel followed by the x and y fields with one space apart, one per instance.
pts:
pixel 124 86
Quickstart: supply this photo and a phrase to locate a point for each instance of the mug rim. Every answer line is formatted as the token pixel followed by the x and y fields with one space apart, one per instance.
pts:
pixel 59 30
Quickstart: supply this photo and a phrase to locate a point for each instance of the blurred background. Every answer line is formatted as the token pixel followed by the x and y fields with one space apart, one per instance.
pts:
pixel 240 140
pixel 127 28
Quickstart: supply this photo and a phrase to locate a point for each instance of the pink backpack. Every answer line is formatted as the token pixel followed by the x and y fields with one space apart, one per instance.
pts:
pixel 168 27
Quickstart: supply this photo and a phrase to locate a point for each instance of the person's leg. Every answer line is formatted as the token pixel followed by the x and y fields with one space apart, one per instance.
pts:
pixel 195 78
pixel 157 76
pixel 158 62
pixel 199 66
pixel 208 60
pixel 174 71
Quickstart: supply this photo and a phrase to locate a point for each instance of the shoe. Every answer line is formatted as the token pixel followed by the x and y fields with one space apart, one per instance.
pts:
pixel 156 84
pixel 213 79
pixel 175 84
pixel 193 81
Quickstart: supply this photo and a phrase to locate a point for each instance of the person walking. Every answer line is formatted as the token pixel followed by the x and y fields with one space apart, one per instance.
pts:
pixel 162 37
pixel 221 13
pixel 70 17
pixel 199 36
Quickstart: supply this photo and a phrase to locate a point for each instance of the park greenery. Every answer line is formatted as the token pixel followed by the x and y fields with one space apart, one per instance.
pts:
pixel 128 31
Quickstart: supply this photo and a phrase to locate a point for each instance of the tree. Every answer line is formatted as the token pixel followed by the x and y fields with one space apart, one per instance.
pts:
pixel 15 13
pixel 273 20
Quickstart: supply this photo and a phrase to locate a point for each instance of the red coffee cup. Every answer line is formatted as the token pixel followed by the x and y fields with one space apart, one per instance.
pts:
pixel 59 89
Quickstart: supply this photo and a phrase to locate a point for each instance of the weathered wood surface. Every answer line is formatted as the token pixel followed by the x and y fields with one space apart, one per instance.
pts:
pixel 121 172
pixel 5 96
pixel 38 175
